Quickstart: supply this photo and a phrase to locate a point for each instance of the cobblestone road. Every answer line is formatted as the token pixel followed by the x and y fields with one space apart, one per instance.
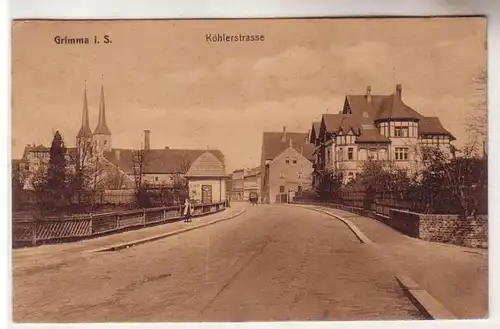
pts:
pixel 272 263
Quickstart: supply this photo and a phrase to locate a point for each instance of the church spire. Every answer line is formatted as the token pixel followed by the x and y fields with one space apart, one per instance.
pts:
pixel 102 128
pixel 85 128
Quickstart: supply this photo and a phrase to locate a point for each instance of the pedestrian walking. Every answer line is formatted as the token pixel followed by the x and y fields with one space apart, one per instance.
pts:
pixel 187 211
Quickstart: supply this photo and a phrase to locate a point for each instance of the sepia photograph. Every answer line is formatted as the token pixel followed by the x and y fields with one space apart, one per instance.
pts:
pixel 249 170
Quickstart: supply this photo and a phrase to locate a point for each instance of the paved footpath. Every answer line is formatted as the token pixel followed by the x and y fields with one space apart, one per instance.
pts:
pixel 456 276
pixel 53 256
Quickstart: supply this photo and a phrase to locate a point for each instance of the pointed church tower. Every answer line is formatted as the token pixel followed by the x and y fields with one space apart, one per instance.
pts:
pixel 84 137
pixel 102 134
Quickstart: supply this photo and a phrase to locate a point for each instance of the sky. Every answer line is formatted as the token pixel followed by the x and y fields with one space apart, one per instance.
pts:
pixel 164 76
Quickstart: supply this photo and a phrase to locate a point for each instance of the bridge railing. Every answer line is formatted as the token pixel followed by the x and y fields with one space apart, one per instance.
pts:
pixel 30 232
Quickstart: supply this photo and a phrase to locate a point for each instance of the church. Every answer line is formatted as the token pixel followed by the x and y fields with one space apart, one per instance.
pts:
pixel 119 169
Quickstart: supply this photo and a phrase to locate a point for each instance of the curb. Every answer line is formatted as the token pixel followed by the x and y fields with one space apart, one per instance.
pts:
pixel 163 235
pixel 422 300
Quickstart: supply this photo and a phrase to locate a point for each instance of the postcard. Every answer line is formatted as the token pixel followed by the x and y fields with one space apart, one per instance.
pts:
pixel 247 170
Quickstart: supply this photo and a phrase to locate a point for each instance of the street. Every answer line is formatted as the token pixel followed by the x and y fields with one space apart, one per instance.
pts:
pixel 273 263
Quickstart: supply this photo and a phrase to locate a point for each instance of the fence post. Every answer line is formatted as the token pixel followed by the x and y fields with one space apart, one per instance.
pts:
pixel 164 214
pixel 91 225
pixel 117 221
pixel 33 228
pixel 144 217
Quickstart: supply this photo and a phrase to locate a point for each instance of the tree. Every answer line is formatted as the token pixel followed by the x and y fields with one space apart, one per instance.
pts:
pixel 56 186
pixel 460 181
pixel 18 181
pixel 330 185
pixel 142 197
pixel 477 121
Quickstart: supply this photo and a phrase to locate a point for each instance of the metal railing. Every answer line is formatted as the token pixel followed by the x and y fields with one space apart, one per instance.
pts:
pixel 36 231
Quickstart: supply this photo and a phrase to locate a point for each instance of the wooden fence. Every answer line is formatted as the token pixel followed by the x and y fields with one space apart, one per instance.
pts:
pixel 32 232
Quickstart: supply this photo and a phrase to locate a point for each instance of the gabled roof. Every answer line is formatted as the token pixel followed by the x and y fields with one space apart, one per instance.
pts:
pixel 393 107
pixel 371 135
pixel 273 144
pixel 315 131
pixel 432 126
pixel 159 161
pixel 294 151
pixel 364 110
pixel 330 123
pixel 207 165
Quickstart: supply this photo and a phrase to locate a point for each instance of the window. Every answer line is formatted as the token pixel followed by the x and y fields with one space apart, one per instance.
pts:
pixel 287 161
pixel 372 154
pixel 329 156
pixel 294 161
pixel 350 153
pixel 401 153
pixel 105 142
pixel 299 175
pixel 340 155
pixel 282 175
pixel 282 189
pixel 401 131
pixel 156 179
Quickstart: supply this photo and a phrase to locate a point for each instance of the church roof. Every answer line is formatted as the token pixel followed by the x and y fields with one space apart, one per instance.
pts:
pixel 85 128
pixel 102 127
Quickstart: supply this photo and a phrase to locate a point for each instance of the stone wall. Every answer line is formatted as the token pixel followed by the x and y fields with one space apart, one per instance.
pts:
pixel 453 229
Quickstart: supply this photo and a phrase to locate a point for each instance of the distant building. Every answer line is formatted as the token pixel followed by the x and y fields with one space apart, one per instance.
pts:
pixel 238 185
pixel 378 127
pixel 251 182
pixel 286 165
pixel 118 168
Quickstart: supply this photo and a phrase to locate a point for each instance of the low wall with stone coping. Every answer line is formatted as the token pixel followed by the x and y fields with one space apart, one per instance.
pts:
pixel 453 229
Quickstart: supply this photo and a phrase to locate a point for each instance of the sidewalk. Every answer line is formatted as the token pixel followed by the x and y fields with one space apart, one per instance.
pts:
pixel 456 276
pixel 50 256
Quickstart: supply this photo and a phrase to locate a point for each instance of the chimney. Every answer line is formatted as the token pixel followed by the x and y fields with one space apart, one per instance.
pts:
pixel 117 155
pixel 291 143
pixel 369 94
pixel 167 147
pixel 399 90
pixel 146 140
pixel 301 150
pixel 283 139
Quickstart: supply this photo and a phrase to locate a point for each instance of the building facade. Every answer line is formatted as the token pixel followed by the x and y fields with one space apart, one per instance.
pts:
pixel 377 127
pixel 238 185
pixel 207 179
pixel 251 182
pixel 286 165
